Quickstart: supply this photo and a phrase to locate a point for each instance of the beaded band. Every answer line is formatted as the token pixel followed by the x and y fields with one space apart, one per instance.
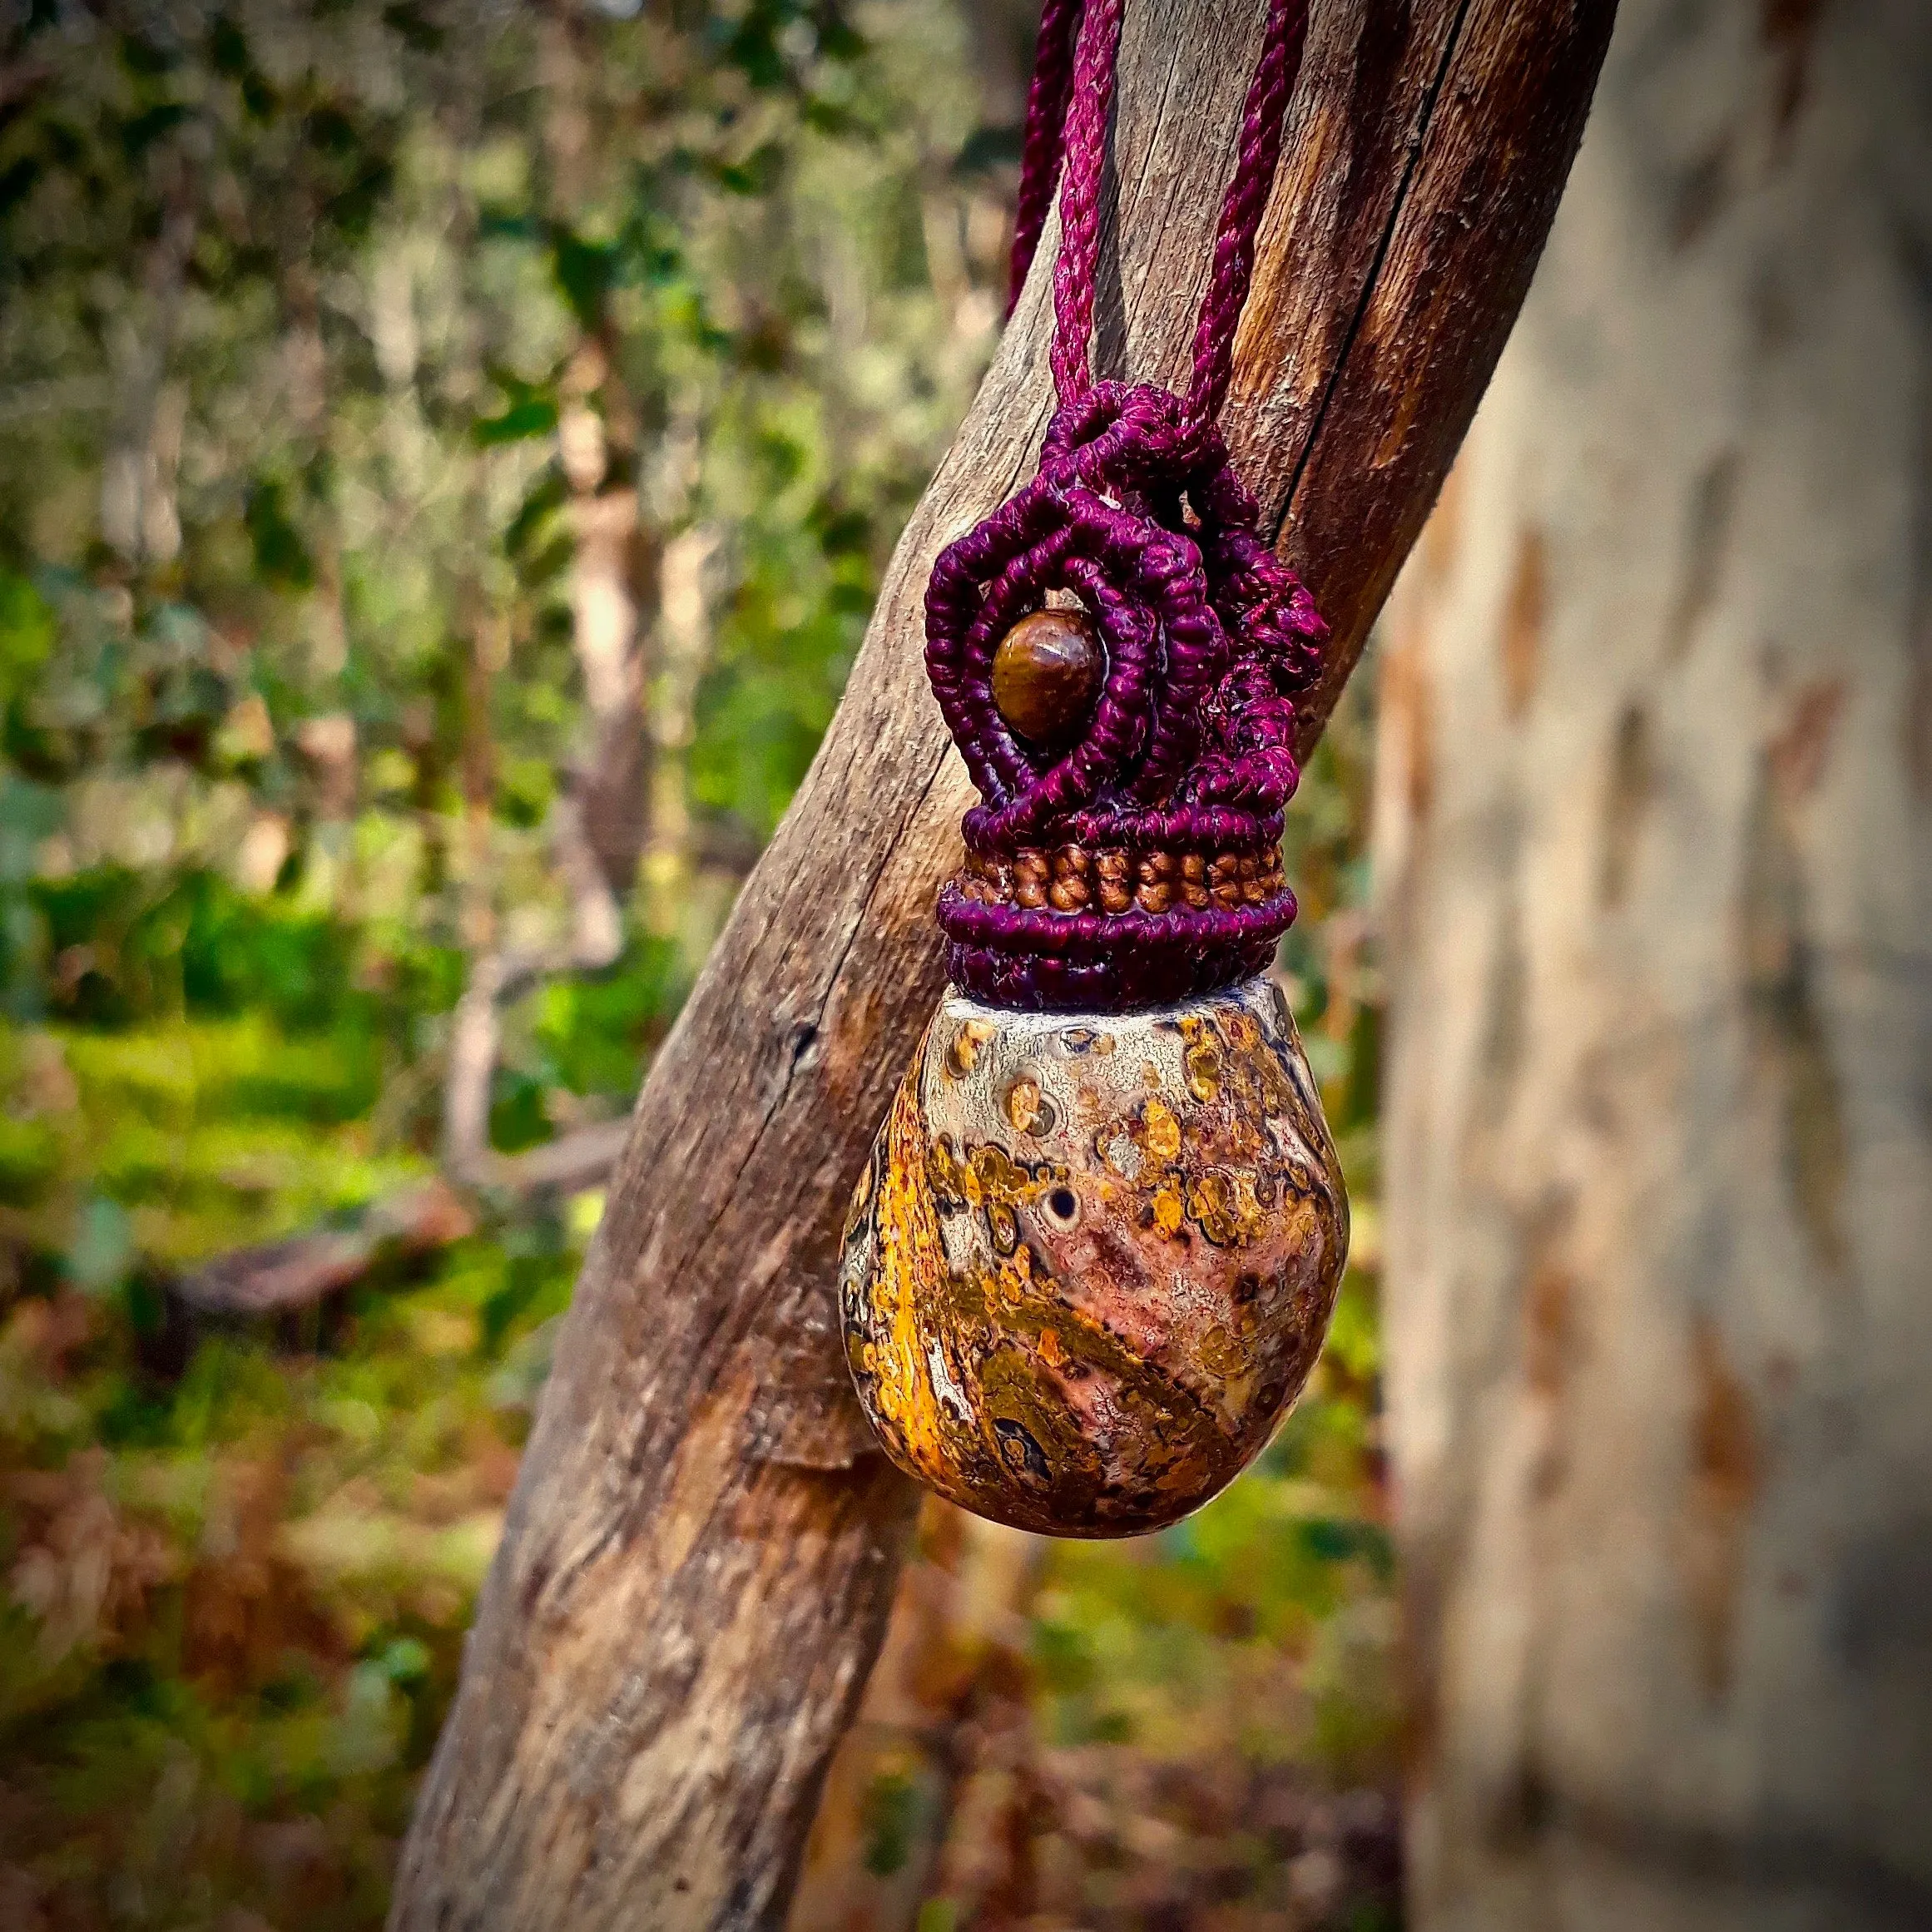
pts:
pixel 1070 879
pixel 1176 785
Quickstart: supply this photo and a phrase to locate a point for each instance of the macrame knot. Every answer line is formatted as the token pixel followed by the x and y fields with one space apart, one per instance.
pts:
pixel 1091 1261
pixel 1139 864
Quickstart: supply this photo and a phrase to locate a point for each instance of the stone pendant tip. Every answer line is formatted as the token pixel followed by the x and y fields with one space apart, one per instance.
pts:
pixel 1092 1258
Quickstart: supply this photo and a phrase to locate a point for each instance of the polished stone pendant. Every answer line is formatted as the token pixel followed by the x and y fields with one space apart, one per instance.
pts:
pixel 1091 1259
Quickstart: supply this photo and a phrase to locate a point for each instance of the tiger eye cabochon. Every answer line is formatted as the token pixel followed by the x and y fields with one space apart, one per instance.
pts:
pixel 1091 1259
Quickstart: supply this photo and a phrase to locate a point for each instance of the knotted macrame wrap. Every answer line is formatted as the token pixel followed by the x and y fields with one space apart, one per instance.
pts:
pixel 1163 822
pixel 1093 1257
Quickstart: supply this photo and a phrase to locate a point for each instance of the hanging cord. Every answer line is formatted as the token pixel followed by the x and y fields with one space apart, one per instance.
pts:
pixel 1085 143
pixel 1141 865
pixel 1262 122
pixel 1040 151
pixel 1066 131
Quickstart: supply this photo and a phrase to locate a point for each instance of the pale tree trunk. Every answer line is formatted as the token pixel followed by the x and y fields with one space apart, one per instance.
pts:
pixel 675 904
pixel 1655 839
pixel 702 1545
pixel 597 824
pixel 306 392
pixel 139 519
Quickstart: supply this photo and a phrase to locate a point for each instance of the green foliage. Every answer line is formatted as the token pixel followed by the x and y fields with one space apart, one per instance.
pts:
pixel 298 308
pixel 594 1032
pixel 309 317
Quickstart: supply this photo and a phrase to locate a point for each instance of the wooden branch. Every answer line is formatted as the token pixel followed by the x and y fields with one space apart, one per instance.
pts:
pixel 702 1549
pixel 277 1277
pixel 498 979
pixel 280 1277
pixel 584 1157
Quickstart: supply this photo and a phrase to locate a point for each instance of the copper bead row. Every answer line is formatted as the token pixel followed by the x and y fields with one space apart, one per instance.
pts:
pixel 1072 880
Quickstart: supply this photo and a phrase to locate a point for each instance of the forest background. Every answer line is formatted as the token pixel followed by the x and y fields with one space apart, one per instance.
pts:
pixel 448 452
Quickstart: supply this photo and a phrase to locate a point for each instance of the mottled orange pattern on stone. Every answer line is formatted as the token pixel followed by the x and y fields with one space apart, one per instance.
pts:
pixel 1091 1260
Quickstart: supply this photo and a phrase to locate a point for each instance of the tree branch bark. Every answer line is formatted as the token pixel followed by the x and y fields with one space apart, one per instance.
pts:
pixel 701 1548
pixel 284 1276
pixel 1654 860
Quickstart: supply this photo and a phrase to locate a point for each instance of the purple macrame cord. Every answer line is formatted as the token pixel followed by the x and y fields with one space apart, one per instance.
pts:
pixel 1040 149
pixel 1136 512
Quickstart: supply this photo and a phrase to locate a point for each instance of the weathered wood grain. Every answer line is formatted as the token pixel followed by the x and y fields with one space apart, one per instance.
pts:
pixel 701 1548
pixel 1654 855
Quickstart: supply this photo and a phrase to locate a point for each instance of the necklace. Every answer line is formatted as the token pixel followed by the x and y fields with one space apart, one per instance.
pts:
pixel 1094 1255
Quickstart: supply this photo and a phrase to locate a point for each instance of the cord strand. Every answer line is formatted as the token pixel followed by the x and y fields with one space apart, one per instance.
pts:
pixel 1094 63
pixel 1139 865
pixel 1259 153
pixel 1040 150
pixel 1067 106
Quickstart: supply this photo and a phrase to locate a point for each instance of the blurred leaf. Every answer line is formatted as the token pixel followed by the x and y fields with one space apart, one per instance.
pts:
pixel 280 556
pixel 103 1244
pixel 530 411
pixel 891 1818
pixel 27 632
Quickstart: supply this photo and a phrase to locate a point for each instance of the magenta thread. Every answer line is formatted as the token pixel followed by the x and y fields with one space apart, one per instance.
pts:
pixel 1135 511
pixel 1040 150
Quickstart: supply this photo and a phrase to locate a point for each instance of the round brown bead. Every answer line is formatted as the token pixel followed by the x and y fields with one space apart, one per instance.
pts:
pixel 1047 672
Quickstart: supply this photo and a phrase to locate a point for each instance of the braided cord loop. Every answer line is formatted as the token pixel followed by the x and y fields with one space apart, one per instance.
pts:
pixel 1140 866
pixel 1046 120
